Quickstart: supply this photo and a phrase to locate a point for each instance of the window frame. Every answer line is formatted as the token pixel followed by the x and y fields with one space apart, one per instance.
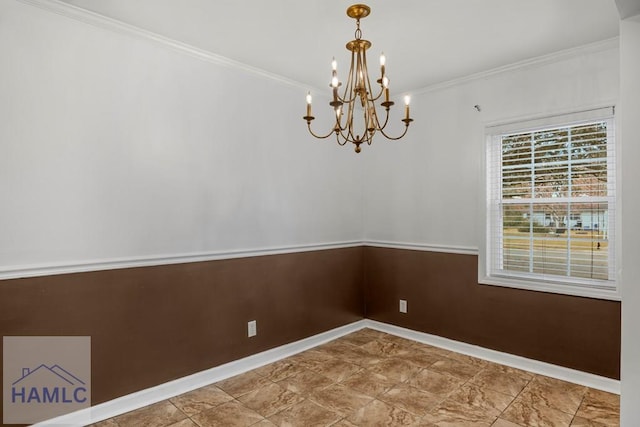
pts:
pixel 493 133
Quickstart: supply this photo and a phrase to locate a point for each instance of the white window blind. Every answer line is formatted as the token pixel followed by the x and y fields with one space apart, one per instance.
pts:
pixel 551 205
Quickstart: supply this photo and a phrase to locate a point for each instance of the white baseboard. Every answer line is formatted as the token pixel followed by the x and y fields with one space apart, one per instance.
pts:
pixel 170 389
pixel 531 365
pixel 182 385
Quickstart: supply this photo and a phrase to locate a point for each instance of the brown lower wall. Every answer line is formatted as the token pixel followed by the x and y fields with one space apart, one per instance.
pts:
pixel 154 324
pixel 445 299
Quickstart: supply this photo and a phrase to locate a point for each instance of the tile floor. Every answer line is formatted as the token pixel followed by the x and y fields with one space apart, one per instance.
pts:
pixel 370 378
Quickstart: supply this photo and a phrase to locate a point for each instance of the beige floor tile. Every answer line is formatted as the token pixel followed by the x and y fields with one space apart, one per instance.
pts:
pixel 184 423
pixel 455 368
pixel 362 358
pixel 384 348
pixel 583 422
pixel 344 423
pixel 601 407
pixel 500 422
pixel 200 399
pixel 424 423
pixel 352 353
pixel 310 358
pixel 280 370
pixel 336 348
pixel 469 360
pixel 373 378
pixel 370 383
pixel 608 400
pixel 482 397
pixel 435 382
pixel 378 413
pixel 523 413
pixel 422 357
pixel 411 399
pixel 243 384
pixel 106 423
pixel 341 399
pixel 157 415
pixel 436 351
pixel 500 381
pixel 402 342
pixel 336 370
pixel 305 382
pixel 373 333
pixel 306 413
pixel 455 414
pixel 503 369
pixel 553 393
pixel 396 369
pixel 230 414
pixel 269 400
pixel 358 338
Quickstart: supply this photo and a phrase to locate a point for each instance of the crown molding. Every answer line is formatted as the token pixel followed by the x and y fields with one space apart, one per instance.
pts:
pixel 110 24
pixel 599 46
pixel 100 21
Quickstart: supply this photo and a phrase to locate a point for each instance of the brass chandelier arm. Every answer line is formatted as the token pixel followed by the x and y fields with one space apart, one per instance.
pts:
pixel 368 82
pixel 395 138
pixel 318 136
pixel 378 96
pixel 342 141
pixel 348 135
pixel 352 139
pixel 339 126
pixel 386 120
pixel 348 89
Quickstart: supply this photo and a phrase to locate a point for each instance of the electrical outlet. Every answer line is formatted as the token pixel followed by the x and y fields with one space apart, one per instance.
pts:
pixel 403 306
pixel 252 329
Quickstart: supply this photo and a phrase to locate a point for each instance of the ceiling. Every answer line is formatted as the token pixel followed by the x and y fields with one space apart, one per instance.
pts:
pixel 426 41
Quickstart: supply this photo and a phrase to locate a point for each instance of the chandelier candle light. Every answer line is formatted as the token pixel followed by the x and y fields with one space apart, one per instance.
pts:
pixel 358 94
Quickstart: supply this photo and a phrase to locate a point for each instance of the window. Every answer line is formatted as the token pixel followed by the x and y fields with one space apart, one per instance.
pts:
pixel 551 205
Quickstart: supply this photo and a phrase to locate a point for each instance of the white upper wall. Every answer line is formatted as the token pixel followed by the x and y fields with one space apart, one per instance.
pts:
pixel 426 188
pixel 113 147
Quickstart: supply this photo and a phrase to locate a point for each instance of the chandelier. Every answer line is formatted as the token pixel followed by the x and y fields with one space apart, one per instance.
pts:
pixel 357 119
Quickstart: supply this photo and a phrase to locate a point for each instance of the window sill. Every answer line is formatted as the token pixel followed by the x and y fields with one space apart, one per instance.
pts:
pixel 552 287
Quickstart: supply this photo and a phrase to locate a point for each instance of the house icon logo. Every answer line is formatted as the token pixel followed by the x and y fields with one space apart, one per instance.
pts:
pixel 48 384
pixel 46 377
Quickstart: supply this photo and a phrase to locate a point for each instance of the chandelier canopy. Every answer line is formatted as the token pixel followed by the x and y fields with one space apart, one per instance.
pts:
pixel 357 119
